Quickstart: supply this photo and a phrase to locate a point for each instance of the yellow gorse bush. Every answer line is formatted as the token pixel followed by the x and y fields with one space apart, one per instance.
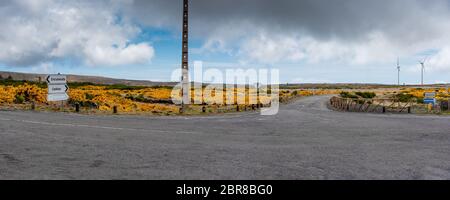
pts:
pixel 105 99
pixel 441 93
pixel 8 94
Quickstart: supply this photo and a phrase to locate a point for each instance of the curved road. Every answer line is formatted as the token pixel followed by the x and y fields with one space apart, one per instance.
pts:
pixel 304 141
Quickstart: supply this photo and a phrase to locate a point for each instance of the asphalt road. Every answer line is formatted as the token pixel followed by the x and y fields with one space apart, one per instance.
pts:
pixel 304 141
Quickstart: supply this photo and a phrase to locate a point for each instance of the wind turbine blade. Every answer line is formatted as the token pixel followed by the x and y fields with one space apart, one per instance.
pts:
pixel 425 59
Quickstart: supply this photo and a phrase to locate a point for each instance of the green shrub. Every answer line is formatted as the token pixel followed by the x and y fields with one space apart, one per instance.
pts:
pixel 89 104
pixel 89 96
pixel 366 95
pixel 20 99
pixel 402 97
pixel 420 100
pixel 139 98
pixel 15 83
pixel 164 87
pixel 74 85
pixel 348 95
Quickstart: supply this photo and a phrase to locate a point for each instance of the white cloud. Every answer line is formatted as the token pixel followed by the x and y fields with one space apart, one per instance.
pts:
pixel 275 48
pixel 346 33
pixel 354 32
pixel 309 80
pixel 267 47
pixel 269 50
pixel 440 61
pixel 435 62
pixel 98 55
pixel 35 32
pixel 44 68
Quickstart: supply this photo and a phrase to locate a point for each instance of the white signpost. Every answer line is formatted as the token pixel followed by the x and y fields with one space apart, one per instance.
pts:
pixel 57 88
pixel 56 79
pixel 57 97
pixel 429 95
pixel 430 98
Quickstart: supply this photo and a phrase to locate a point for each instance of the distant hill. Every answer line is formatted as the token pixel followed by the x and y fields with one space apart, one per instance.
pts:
pixel 81 79
pixel 351 86
pixel 112 81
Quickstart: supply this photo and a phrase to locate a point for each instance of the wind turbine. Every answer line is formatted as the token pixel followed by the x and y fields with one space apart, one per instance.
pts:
pixel 422 63
pixel 398 68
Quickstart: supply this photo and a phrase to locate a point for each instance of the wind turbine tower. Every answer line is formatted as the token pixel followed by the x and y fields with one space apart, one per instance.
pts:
pixel 422 63
pixel 398 69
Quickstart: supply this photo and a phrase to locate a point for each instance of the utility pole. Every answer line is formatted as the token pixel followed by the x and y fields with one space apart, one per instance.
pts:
pixel 185 90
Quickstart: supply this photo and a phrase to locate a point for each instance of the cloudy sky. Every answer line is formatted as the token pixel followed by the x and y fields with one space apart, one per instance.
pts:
pixel 308 40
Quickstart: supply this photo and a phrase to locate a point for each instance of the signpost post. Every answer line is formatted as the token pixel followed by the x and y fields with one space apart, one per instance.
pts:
pixel 57 88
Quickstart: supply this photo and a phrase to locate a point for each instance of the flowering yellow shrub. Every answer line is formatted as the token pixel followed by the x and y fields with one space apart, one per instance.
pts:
pixel 7 94
pixel 441 93
pixel 28 92
pixel 162 93
pixel 106 99
pixel 32 93
pixel 131 100
pixel 158 108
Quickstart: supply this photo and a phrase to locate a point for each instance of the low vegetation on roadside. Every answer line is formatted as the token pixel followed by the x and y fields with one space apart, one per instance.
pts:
pixel 411 99
pixel 90 96
pixel 157 99
pixel 132 99
pixel 357 95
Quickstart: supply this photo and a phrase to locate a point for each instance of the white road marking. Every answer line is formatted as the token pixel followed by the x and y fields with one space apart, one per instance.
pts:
pixel 89 126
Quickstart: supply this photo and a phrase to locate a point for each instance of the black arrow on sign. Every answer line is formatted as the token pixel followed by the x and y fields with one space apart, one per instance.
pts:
pixel 48 77
pixel 67 88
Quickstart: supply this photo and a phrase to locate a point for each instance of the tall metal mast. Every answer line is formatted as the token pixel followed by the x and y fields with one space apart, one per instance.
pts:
pixel 185 90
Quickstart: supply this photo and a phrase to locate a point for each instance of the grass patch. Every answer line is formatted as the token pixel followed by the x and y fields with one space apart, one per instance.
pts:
pixel 357 95
pixel 366 95
pixel 348 95
pixel 15 83
pixel 402 97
